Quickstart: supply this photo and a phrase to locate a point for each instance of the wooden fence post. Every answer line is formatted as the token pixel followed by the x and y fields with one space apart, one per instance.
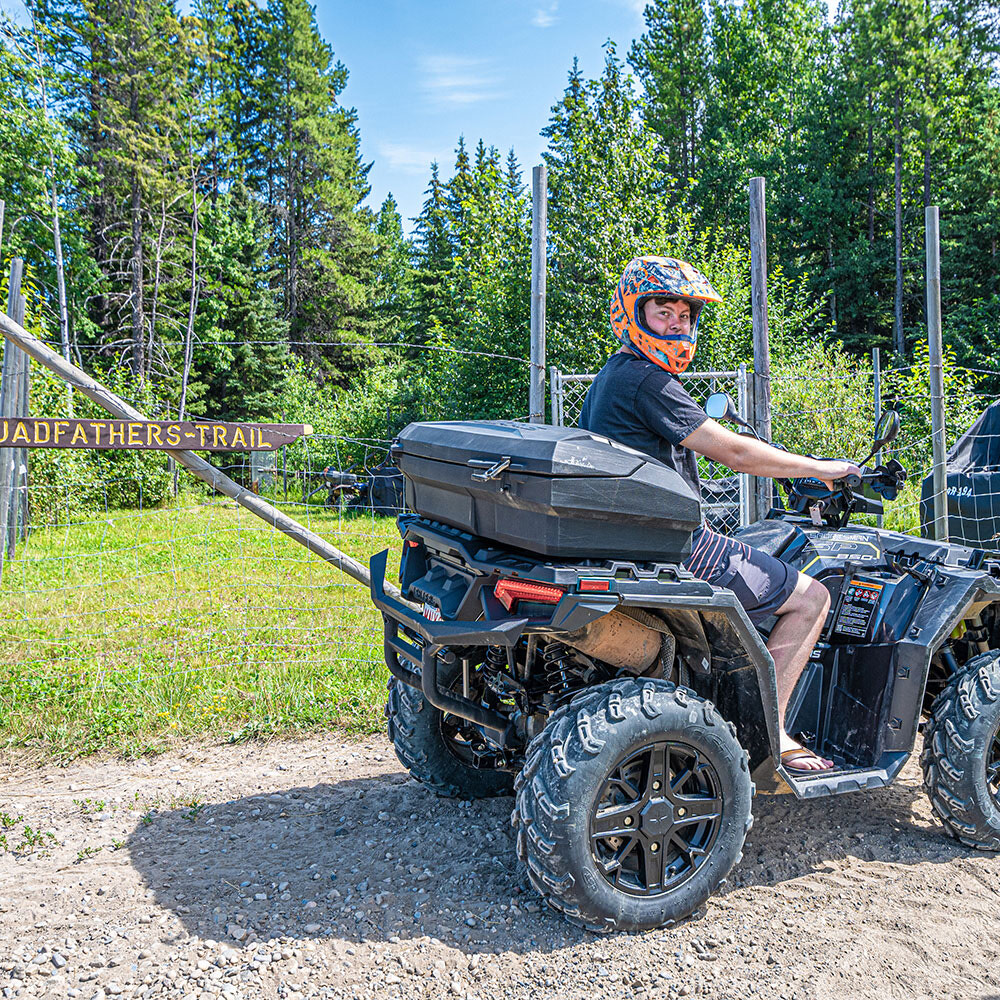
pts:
pixel 10 393
pixel 761 348
pixel 936 352
pixel 19 515
pixel 539 244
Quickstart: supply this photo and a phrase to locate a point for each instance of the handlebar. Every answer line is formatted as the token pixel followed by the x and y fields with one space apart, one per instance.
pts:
pixel 814 496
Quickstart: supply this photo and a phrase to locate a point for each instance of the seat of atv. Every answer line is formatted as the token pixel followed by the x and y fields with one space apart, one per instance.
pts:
pixel 772 537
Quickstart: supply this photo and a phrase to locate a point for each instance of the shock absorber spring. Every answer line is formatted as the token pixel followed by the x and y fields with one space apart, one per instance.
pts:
pixel 496 671
pixel 556 667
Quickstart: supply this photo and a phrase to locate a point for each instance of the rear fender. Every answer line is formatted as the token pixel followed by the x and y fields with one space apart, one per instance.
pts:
pixel 721 614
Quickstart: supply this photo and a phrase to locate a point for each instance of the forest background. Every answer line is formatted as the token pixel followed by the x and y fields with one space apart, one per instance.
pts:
pixel 188 193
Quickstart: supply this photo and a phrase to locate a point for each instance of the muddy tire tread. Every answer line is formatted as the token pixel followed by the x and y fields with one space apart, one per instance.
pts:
pixel 968 703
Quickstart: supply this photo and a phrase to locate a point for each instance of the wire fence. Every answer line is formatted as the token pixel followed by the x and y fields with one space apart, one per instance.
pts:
pixel 196 581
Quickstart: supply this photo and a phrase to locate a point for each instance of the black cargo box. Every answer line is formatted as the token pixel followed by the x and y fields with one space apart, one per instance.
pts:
pixel 553 491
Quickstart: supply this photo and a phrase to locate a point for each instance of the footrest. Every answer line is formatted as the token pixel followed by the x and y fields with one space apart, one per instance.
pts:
pixel 844 779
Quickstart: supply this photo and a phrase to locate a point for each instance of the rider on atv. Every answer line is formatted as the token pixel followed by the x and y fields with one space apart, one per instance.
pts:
pixel 638 399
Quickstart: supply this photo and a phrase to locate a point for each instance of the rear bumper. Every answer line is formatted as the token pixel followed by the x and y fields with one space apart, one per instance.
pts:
pixel 417 665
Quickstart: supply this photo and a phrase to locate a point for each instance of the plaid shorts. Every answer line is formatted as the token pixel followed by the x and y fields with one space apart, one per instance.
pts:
pixel 760 582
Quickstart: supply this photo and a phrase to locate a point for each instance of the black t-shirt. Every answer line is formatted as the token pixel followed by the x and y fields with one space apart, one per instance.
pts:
pixel 641 405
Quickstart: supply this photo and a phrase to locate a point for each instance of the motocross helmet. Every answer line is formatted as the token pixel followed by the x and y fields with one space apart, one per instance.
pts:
pixel 648 277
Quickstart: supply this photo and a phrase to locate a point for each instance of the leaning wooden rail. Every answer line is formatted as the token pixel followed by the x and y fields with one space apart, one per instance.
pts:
pixel 117 406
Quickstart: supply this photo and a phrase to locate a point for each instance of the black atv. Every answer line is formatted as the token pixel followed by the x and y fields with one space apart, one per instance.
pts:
pixel 551 645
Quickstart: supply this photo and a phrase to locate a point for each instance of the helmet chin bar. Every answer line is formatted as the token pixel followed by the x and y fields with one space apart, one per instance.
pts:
pixel 693 336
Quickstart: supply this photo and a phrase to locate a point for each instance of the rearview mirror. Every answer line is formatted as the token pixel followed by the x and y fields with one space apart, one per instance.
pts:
pixel 885 433
pixel 886 429
pixel 720 406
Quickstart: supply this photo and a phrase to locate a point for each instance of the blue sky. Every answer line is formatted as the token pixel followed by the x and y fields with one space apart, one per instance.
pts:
pixel 423 73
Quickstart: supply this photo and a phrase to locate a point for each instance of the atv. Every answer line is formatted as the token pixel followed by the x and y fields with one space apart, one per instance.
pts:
pixel 550 645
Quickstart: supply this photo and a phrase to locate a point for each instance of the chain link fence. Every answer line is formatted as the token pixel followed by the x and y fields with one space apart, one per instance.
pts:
pixel 725 494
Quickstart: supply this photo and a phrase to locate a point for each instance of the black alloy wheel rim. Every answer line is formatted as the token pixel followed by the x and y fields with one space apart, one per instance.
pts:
pixel 657 818
pixel 993 768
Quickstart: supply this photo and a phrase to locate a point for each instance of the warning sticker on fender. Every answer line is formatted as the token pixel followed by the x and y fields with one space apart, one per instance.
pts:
pixel 857 611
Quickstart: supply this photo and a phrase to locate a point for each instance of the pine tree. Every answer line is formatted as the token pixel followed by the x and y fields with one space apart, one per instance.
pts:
pixel 315 188
pixel 433 309
pixel 608 202
pixel 392 270
pixel 672 59
pixel 514 181
pixel 764 53
pixel 242 340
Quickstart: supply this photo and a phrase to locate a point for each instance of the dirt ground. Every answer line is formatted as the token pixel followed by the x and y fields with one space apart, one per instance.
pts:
pixel 319 869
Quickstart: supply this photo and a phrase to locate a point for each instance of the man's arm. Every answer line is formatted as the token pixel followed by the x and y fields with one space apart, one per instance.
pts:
pixel 743 453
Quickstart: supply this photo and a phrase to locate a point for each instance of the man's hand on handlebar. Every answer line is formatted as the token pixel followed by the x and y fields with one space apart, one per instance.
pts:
pixel 830 471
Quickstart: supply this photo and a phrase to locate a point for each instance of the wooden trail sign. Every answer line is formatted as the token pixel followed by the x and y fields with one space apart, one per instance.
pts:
pixel 146 435
pixel 197 465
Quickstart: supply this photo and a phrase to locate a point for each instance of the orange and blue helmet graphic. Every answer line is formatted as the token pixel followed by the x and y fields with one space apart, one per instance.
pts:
pixel 654 277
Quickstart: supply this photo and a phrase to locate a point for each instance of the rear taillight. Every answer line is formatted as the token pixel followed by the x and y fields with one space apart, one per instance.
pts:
pixel 508 592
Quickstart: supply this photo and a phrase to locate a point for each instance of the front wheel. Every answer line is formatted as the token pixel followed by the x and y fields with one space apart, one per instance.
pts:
pixel 961 756
pixel 633 805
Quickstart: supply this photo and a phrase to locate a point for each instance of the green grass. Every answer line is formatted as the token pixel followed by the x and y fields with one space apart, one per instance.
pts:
pixel 134 628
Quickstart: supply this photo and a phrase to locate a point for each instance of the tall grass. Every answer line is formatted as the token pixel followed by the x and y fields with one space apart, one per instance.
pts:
pixel 123 632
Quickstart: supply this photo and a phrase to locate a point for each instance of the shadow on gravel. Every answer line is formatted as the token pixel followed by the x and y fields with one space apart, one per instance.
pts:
pixel 379 858
pixel 792 838
pixel 376 857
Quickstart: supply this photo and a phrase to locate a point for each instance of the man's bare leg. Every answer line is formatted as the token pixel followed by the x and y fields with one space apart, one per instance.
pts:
pixel 800 621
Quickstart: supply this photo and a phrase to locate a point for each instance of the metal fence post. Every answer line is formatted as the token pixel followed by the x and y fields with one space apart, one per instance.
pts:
pixel 554 395
pixel 933 238
pixel 539 241
pixel 761 350
pixel 877 389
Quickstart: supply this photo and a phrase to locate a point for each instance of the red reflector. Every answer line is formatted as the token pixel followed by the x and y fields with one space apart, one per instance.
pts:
pixel 593 585
pixel 509 591
pixel 412 543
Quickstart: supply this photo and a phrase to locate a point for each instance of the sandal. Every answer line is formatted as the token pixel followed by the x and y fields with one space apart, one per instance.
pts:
pixel 788 758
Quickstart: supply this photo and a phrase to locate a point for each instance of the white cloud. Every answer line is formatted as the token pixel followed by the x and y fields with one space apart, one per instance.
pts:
pixel 457 81
pixel 545 17
pixel 408 159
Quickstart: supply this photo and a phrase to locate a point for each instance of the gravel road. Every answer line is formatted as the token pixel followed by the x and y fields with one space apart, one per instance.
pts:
pixel 319 869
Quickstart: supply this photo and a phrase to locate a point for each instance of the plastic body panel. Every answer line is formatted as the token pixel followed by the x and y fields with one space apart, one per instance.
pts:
pixel 554 491
pixel 874 688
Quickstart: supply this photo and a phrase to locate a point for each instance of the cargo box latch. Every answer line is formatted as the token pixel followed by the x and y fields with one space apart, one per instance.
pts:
pixel 492 472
